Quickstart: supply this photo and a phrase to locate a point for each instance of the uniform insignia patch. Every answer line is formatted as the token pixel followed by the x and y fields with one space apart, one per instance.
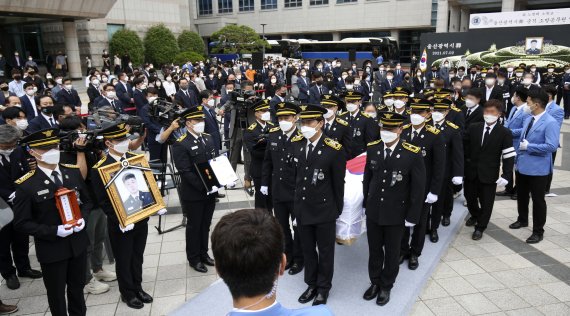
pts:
pixel 410 147
pixel 373 143
pixel 332 143
pixel 432 129
pixel 25 177
pixel 100 162
pixel 297 138
pixel 341 121
pixel 252 127
pixel 451 125
pixel 275 129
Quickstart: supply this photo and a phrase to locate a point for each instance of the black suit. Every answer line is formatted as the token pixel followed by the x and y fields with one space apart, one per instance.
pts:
pixel 65 97
pixel 390 201
pixel 256 145
pixel 496 93
pixel 340 131
pixel 364 131
pixel 475 116
pixel 140 100
pixel 28 107
pixel 318 203
pixel 124 92
pixel 482 163
pixel 116 104
pixel 39 123
pixel 186 99
pixel 63 260
pixel 93 93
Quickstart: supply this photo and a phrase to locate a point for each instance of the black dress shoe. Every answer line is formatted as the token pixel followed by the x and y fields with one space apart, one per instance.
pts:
pixel 471 221
pixel 514 197
pixel 401 260
pixel 371 293
pixel 413 263
pixel 433 236
pixel 504 193
pixel 383 297
pixel 208 261
pixel 12 282
pixel 445 221
pixel 221 195
pixel 321 298
pixel 534 239
pixel 200 267
pixel 308 295
pixel 144 296
pixel 133 302
pixel 288 264
pixel 296 268
pixel 32 274
pixel 477 235
pixel 517 225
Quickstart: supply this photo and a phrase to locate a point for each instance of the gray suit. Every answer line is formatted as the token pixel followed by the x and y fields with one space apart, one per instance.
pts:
pixel 378 79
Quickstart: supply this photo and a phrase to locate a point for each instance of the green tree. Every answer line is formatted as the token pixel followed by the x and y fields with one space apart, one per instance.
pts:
pixel 183 57
pixel 160 45
pixel 191 41
pixel 127 42
pixel 238 39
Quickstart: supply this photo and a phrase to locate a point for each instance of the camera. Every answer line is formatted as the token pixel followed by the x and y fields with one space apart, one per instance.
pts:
pixel 103 118
pixel 242 103
pixel 93 141
pixel 164 112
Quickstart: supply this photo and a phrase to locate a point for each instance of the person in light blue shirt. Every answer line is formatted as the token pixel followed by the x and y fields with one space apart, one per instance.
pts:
pixel 248 254
pixel 16 86
pixel 558 114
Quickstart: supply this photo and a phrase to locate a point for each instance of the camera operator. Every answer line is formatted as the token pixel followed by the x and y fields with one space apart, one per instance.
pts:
pixel 157 150
pixel 85 154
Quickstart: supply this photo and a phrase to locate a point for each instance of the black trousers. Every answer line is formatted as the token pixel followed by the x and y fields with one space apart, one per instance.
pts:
pixel 532 186
pixel 157 150
pixel 480 193
pixel 199 215
pixel 416 245
pixel 128 248
pixel 261 201
pixel 68 273
pixel 444 204
pixel 549 180
pixel 566 103
pixel 14 245
pixel 319 267
pixel 384 253
pixel 293 250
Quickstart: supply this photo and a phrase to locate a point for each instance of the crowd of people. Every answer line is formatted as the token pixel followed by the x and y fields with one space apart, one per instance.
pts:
pixel 426 136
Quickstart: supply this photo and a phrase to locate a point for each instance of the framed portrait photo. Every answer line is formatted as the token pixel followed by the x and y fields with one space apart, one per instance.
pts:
pixel 133 191
pixel 534 45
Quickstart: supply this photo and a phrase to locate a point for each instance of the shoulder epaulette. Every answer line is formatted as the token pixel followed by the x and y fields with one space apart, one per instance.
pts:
pixel 407 126
pixel 181 138
pixel 252 127
pixel 456 109
pixel 275 129
pixel 332 143
pixel 410 147
pixel 341 121
pixel 409 111
pixel 297 138
pixel 206 134
pixel 270 123
pixel 25 177
pixel 343 113
pixel 432 129
pixel 69 166
pixel 451 125
pixel 365 114
pixel 373 143
pixel 100 162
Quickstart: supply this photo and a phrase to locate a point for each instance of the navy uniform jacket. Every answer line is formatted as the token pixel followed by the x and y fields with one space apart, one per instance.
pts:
pixel 212 127
pixel 39 123
pixel 27 106
pixel 454 162
pixel 65 97
pixel 277 171
pixel 18 167
pixel 124 94
pixel 187 151
pixel 36 213
pixel 319 181
pixel 256 146
pixel 303 84
pixel 131 205
pixel 315 96
pixel 364 131
pixel 476 116
pixel 394 188
pixel 340 131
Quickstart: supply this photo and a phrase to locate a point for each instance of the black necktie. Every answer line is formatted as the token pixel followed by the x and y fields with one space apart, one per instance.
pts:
pixel 414 135
pixel 56 180
pixel 486 135
pixel 513 113
pixel 388 152
pixel 327 126
pixel 528 128
pixel 310 150
pixel 437 126
pixel 468 113
pixel 51 122
pixel 113 105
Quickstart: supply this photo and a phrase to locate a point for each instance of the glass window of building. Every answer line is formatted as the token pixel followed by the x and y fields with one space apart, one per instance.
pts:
pixel 246 5
pixel 319 2
pixel 204 7
pixel 293 3
pixel 345 1
pixel 225 6
pixel 268 4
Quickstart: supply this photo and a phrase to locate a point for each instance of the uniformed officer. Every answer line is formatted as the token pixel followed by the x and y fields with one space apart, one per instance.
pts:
pixel 61 248
pixel 432 146
pixel 198 202
pixel 565 83
pixel 363 128
pixel 319 197
pixel 454 114
pixel 392 167
pixel 400 96
pixel 335 127
pixel 255 139
pixel 453 165
pixel 280 174
pixel 517 79
pixel 128 243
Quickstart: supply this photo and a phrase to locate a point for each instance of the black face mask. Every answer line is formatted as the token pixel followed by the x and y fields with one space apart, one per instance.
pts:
pixel 283 94
pixel 473 72
pixel 17 77
pixel 47 110
pixel 5 88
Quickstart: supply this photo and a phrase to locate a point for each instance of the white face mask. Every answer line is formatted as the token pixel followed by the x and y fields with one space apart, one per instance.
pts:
pixel 356 82
pixel 58 81
pixel 399 104
pixel 372 114
pixel 490 81
pixel 122 147
pixel 211 102
pixel 437 116
pixel 308 131
pixel 490 119
pixel 513 99
pixel 329 114
pixel 527 110
pixel 527 81
pixel 68 86
pixel 30 92
pixel 417 119
pixel 470 103
pixel 6 152
pixel 285 125
pixel 388 137
pixel 519 74
pixel 50 157
pixel 510 69
pixel 22 124
pixel 349 86
pixel 266 116
pixel 389 77
pixel 111 94
pixel 150 99
pixel 273 80
pixel 199 127
pixel 351 107
pixel 389 102
pixel 550 69
pixel 95 82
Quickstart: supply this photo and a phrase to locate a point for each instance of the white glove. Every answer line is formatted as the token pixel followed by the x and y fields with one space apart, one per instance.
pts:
pixel 431 198
pixel 64 230
pixel 408 224
pixel 501 182
pixel 12 197
pixel 214 190
pixel 264 190
pixel 523 145
pixel 126 229
pixel 294 222
pixel 81 224
pixel 457 180
pixel 162 211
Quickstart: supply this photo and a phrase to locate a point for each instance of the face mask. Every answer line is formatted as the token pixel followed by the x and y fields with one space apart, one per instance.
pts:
pixel 95 82
pixel 381 69
pixel 199 127
pixel 445 65
pixel 483 75
pixel 343 77
pixel 308 131
pixel 229 90
pixel 460 73
pixel 285 125
pixel 122 147
pixel 158 83
pixel 68 86
pixel 372 114
pixel 58 81
pixel 419 74
pixel 417 119
pixel 349 86
pixel 151 99
pixel 388 137
pixel 389 77
pixel 399 104
pixel 211 102
pixel 6 152
pixel 356 82
pixel 329 114
pixel 389 102
pixel 18 105
pixel 273 80
pixel 111 94
pixel 490 119
pixel 303 74
pixel 50 157
pixel 351 107
pixel 510 69
pixel 47 110
pixel 501 81
pixel 490 81
pixel 470 103
pixel 533 69
pixel 518 74
pixel 527 81
pixel 168 79
pixel 266 116
pixel 550 69
pixel 527 110
pixel 30 92
pixel 48 77
pixel 451 76
pixel 437 116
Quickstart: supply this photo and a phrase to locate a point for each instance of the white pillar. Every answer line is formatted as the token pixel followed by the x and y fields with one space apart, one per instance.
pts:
pixel 442 16
pixel 336 36
pixel 508 5
pixel 395 34
pixel 464 24
pixel 454 15
pixel 72 49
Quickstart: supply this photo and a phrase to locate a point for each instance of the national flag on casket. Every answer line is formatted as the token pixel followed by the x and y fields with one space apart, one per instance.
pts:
pixel 352 222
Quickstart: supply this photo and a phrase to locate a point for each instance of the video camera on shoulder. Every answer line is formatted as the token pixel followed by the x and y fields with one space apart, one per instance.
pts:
pixel 163 112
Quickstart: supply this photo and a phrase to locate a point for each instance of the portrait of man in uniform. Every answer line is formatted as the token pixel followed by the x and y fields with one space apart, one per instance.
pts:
pixel 134 194
pixel 533 45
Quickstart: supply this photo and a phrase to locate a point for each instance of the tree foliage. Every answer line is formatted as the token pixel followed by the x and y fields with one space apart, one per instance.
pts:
pixel 183 57
pixel 126 41
pixel 238 39
pixel 189 41
pixel 160 45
